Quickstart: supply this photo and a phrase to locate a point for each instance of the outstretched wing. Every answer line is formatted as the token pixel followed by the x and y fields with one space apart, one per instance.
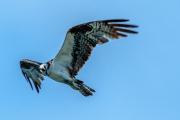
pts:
pixel 30 70
pixel 81 39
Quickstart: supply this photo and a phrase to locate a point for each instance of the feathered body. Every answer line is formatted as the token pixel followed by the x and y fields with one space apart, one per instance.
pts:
pixel 77 47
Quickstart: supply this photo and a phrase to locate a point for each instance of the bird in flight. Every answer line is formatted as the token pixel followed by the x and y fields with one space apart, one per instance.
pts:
pixel 75 51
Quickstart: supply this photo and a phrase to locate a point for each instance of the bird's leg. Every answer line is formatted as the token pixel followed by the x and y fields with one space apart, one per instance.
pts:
pixel 73 83
pixel 76 84
pixel 80 86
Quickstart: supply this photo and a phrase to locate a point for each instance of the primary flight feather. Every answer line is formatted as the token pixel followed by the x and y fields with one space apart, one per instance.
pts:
pixel 77 47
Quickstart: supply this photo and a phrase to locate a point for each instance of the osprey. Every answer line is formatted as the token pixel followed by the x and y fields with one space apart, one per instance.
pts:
pixel 76 49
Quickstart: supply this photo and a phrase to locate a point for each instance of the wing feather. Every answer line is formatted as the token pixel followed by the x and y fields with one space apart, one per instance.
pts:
pixel 32 74
pixel 81 39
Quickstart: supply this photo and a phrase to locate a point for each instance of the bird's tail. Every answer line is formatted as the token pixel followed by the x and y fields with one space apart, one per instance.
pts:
pixel 84 89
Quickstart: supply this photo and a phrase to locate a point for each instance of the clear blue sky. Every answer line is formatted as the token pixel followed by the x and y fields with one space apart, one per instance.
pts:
pixel 136 78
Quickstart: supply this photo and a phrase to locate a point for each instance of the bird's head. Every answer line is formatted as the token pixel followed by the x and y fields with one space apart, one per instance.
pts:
pixel 43 69
pixel 33 72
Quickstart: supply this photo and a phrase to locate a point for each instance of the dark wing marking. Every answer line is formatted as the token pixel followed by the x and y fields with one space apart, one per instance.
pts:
pixel 28 79
pixel 37 86
pixel 31 72
pixel 81 39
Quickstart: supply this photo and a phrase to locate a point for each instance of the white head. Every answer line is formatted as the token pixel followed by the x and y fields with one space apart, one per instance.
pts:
pixel 43 69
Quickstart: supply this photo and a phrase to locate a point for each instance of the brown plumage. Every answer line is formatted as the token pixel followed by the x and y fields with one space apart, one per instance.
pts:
pixel 87 35
pixel 76 49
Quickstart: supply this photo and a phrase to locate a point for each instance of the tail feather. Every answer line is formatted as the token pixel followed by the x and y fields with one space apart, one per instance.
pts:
pixel 84 89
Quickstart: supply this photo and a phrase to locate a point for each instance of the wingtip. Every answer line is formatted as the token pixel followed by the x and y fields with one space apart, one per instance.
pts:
pixel 117 20
pixel 133 26
pixel 136 32
pixel 121 35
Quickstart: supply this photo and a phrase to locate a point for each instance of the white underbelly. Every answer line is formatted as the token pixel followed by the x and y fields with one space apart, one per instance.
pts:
pixel 58 73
